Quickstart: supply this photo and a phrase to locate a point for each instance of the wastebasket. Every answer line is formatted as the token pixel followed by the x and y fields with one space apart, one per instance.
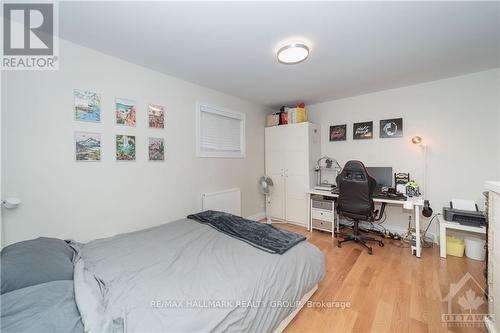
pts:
pixel 454 246
pixel 474 248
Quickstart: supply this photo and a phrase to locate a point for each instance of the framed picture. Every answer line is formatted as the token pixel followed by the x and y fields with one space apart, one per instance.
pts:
pixel 362 131
pixel 156 149
pixel 87 106
pixel 87 146
pixel 156 116
pixel 125 112
pixel 391 128
pixel 338 132
pixel 125 148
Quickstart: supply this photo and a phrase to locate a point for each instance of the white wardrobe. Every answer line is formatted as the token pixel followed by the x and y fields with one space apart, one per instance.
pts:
pixel 291 154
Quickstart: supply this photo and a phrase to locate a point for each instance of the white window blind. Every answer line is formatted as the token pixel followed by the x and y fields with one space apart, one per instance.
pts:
pixel 220 133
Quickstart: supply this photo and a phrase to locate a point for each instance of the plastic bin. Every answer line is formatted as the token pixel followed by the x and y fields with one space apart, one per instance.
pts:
pixel 454 246
pixel 474 248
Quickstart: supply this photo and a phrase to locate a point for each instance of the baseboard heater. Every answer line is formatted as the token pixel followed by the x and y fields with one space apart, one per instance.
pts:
pixel 228 201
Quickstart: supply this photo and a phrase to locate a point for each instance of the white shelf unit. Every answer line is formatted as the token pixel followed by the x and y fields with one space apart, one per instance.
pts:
pixel 493 321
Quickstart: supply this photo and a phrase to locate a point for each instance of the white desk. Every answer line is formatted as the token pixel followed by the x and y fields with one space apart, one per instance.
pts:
pixel 414 204
pixel 443 225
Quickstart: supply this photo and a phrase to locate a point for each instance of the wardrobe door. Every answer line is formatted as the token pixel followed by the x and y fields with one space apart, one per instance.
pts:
pixel 296 173
pixel 275 166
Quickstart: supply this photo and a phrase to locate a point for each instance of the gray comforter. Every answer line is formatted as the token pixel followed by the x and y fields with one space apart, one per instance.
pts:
pixel 188 277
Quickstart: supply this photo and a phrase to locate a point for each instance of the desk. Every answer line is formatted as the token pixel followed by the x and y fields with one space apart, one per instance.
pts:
pixel 414 204
pixel 443 225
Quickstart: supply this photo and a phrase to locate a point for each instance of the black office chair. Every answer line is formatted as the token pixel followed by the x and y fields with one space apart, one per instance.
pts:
pixel 355 202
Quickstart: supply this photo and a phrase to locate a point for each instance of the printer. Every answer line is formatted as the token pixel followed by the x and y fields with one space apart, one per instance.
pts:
pixel 464 212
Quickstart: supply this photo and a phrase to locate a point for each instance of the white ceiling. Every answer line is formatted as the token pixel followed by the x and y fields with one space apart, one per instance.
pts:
pixel 356 47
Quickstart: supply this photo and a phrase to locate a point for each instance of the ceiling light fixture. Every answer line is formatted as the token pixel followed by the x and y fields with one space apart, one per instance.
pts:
pixel 293 53
pixel 416 140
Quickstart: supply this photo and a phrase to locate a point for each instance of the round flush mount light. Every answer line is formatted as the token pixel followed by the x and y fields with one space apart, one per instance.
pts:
pixel 293 53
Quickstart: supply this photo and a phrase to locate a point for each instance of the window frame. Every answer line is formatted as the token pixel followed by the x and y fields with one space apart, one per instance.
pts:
pixel 217 110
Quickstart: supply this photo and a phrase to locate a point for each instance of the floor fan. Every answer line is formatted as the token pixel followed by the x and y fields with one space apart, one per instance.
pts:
pixel 266 187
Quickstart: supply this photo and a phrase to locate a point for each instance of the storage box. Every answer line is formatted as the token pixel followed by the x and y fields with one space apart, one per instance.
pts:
pixel 283 118
pixel 272 120
pixel 454 246
pixel 296 115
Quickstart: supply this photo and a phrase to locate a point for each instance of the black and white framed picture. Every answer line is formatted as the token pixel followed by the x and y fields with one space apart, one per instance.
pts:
pixel 362 131
pixel 391 128
pixel 338 132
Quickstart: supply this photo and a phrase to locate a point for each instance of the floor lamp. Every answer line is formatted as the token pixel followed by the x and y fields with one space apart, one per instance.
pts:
pixel 417 140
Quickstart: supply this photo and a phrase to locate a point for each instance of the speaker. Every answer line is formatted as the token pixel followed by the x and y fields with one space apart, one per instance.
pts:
pixel 427 210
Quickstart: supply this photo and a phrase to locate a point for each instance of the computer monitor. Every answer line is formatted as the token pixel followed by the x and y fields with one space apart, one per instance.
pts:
pixel 383 176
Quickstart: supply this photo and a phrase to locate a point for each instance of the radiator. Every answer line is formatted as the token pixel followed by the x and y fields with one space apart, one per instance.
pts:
pixel 228 201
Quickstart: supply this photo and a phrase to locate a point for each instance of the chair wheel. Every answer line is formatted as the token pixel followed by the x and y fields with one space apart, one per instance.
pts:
pixel 381 244
pixel 370 251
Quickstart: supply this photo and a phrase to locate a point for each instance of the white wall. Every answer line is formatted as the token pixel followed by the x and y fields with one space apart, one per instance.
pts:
pixel 458 119
pixel 84 200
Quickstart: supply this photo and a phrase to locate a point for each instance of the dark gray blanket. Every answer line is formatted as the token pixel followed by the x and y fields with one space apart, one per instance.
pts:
pixel 262 236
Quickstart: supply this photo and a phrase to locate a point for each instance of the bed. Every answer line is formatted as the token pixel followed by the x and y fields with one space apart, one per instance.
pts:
pixel 185 276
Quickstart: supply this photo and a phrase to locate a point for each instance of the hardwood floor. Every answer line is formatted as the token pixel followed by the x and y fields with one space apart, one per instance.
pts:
pixel 389 291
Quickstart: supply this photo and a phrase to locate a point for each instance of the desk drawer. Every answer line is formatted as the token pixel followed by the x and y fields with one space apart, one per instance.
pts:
pixel 322 215
pixel 324 225
pixel 322 204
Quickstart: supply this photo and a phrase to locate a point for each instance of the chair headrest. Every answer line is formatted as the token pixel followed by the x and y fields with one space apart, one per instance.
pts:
pixel 355 165
pixel 354 171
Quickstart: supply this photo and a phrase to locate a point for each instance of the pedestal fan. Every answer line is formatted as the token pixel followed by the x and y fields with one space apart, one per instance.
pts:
pixel 266 187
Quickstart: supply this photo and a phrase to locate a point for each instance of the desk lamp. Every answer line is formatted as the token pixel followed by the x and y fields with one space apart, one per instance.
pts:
pixel 328 166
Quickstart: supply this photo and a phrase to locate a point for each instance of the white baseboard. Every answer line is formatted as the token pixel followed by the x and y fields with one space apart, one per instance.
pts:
pixel 257 217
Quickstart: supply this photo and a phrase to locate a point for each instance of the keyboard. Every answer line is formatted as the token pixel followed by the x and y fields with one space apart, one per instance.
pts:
pixel 389 196
pixel 380 195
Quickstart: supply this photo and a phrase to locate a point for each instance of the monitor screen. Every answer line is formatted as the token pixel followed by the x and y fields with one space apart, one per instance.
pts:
pixel 383 175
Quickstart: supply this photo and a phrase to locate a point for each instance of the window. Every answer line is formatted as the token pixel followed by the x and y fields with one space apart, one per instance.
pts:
pixel 219 132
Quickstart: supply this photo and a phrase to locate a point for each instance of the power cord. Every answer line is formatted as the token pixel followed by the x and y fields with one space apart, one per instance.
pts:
pixel 401 240
pixel 426 240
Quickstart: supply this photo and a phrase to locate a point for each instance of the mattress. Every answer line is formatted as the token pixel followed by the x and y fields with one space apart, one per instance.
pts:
pixel 184 276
